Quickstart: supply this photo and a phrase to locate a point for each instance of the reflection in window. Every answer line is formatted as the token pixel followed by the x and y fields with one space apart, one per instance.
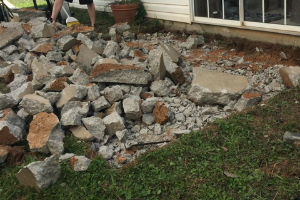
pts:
pixel 215 8
pixel 253 10
pixel 274 11
pixel 293 12
pixel 232 9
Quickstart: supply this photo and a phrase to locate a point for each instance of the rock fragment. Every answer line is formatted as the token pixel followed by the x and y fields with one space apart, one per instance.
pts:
pixel 160 112
pixel 34 104
pixel 40 174
pixel 80 163
pixel 81 133
pixel 290 76
pixel 156 65
pixel 132 108
pixel 113 122
pixel 71 93
pixel 95 126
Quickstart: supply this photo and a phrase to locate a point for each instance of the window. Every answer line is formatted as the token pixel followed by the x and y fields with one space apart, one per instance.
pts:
pixel 278 14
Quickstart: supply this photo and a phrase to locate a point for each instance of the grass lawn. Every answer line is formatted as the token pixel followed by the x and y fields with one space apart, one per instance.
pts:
pixel 242 157
pixel 27 3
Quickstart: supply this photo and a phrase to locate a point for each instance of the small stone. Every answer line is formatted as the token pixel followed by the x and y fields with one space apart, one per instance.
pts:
pixel 113 122
pixel 113 94
pixel 100 104
pixel 160 88
pixel 148 119
pixel 132 108
pixel 71 93
pixel 106 152
pixel 79 77
pixel 80 163
pixel 95 126
pixel 160 113
pixel 122 135
pixel 148 105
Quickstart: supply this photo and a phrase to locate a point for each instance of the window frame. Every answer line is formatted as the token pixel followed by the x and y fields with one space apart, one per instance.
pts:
pixel 244 24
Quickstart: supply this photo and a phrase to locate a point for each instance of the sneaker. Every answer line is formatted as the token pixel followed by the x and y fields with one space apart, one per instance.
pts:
pixel 96 28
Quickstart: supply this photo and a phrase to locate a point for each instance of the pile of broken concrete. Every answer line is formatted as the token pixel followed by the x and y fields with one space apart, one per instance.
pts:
pixel 124 96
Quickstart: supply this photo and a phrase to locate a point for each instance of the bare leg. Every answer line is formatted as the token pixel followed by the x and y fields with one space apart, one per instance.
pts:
pixel 92 13
pixel 56 8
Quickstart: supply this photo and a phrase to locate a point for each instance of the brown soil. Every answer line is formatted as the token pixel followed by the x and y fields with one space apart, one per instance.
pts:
pixel 6 138
pixel 250 95
pixel 132 44
pixel 269 56
pixel 76 47
pixel 120 159
pixel 146 95
pixel 44 48
pixel 4 150
pixel 80 28
pixel 102 68
pixel 160 113
pixel 40 128
pixel 131 151
pixel 29 78
pixel 26 27
pixel 58 85
pixel 285 169
pixel 62 63
pixel 8 77
pixel 6 113
pixel 16 155
pixel 62 33
pixel 1 29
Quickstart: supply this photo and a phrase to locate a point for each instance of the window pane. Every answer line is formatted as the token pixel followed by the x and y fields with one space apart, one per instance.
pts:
pixel 215 9
pixel 293 12
pixel 253 10
pixel 274 11
pixel 232 9
pixel 201 8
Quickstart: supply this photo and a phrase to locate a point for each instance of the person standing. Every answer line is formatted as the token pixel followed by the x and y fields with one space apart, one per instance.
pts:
pixel 90 6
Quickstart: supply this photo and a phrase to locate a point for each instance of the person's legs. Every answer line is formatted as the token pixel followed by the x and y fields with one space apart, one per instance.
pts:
pixel 56 9
pixel 91 11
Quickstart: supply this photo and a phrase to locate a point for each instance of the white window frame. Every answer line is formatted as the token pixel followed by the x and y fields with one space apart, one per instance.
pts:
pixel 244 24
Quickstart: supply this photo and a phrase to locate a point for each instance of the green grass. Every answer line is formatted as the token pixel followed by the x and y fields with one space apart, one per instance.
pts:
pixel 3 86
pixel 248 145
pixel 27 3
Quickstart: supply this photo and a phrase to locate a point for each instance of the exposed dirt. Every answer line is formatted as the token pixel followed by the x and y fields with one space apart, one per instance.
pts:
pixel 80 28
pixel 285 169
pixel 268 54
pixel 58 85
pixel 250 95
pixel 73 161
pixel 146 95
pixel 27 27
pixel 62 63
pixel 6 138
pixel 44 48
pixel 102 68
pixel 16 155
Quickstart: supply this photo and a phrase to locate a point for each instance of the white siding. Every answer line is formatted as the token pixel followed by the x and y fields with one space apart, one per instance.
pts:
pixel 172 10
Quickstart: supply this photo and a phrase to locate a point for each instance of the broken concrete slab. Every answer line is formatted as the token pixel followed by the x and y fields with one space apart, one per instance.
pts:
pixel 111 49
pixel 95 126
pixel 34 104
pixel 113 94
pixel 81 133
pixel 148 105
pixel 248 99
pixel 100 104
pixel 132 108
pixel 161 113
pixel 156 65
pixel 213 87
pixel 79 77
pixel 113 122
pixel 12 118
pixel 22 91
pixel 86 56
pixel 71 93
pixel 8 36
pixel 112 73
pixel 45 134
pixel 57 85
pixel 93 92
pixel 290 76
pixel 160 88
pixel 73 111
pixel 51 96
pixel 66 42
pixel 80 163
pixel 42 30
pixel 116 107
pixel 40 174
pixel 172 52
pixel 42 48
pixel 7 101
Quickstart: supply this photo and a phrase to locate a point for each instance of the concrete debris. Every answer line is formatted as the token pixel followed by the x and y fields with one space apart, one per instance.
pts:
pixel 113 122
pixel 34 104
pixel 73 112
pixel 71 93
pixel 4 150
pixel 66 42
pixel 132 108
pixel 292 138
pixel 40 174
pixel 8 36
pixel 80 163
pixel 290 76
pixel 81 133
pixel 95 126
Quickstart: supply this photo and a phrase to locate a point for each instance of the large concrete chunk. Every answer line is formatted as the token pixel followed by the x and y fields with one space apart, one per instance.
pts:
pixel 8 36
pixel 113 94
pixel 86 56
pixel 42 30
pixel 41 72
pixel 212 87
pixel 95 126
pixel 248 99
pixel 81 133
pixel 45 134
pixel 132 108
pixel 71 93
pixel 42 48
pixel 79 77
pixel 100 104
pixel 7 101
pixel 67 42
pixel 34 104
pixel 40 174
pixel 73 111
pixel 111 50
pixel 12 118
pixel 93 92
pixel 148 105
pixel 156 65
pixel 113 73
pixel 113 122
pixel 172 52
pixel 290 76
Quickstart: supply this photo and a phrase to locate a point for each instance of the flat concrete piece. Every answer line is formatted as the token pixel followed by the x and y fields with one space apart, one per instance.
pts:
pixel 8 36
pixel 172 52
pixel 218 81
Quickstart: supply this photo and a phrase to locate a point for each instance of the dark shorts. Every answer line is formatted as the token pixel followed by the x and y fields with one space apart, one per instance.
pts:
pixel 82 2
